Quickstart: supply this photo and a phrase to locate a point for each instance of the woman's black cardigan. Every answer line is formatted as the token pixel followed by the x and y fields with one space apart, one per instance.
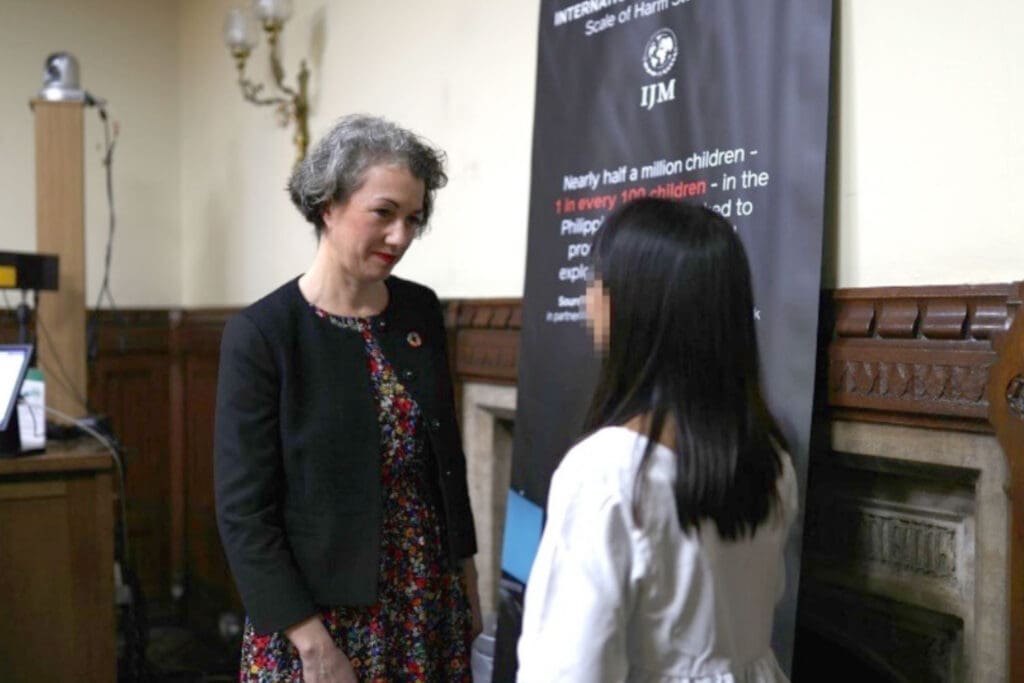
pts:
pixel 297 449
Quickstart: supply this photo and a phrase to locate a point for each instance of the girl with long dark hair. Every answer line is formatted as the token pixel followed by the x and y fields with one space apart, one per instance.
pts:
pixel 662 555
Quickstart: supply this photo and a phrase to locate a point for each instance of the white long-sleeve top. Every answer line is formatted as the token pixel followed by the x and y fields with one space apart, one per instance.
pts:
pixel 610 601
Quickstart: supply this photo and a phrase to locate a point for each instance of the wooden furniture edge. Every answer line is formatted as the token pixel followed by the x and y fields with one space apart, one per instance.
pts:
pixel 1006 414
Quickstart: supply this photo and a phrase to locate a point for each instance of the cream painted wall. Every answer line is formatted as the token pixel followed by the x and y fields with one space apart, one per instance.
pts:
pixel 930 153
pixel 459 72
pixel 127 51
pixel 931 144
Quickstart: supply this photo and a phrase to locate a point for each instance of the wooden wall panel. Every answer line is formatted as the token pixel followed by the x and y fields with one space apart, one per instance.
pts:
pixel 134 391
pixel 210 587
pixel 129 381
pixel 921 356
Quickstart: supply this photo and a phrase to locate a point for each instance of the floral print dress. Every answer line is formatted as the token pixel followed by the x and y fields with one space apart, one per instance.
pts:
pixel 420 627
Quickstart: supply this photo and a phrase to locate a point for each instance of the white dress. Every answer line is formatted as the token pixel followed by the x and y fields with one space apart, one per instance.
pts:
pixel 609 601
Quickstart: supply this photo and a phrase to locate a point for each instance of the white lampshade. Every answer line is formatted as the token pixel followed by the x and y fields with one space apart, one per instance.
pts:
pixel 272 11
pixel 240 31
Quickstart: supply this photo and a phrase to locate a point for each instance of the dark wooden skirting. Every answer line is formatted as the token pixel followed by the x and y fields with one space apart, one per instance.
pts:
pixel 948 357
pixel 200 570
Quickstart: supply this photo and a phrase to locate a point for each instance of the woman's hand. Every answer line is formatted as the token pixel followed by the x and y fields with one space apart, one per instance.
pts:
pixel 322 661
pixel 473 593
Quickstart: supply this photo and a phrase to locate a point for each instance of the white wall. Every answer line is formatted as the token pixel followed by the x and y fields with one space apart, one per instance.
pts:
pixel 127 51
pixel 930 153
pixel 931 148
pixel 459 72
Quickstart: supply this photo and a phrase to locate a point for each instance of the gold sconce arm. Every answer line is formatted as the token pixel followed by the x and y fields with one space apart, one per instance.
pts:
pixel 275 62
pixel 292 105
pixel 251 91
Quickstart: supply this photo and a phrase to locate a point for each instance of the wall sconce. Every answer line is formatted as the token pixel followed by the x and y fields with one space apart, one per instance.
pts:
pixel 240 35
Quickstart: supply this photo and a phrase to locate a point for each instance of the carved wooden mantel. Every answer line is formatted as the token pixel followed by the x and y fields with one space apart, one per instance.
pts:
pixel 945 357
pixel 924 354
pixel 486 339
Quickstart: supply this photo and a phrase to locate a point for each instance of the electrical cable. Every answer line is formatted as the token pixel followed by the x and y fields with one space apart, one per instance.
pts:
pixel 108 163
pixel 109 143
pixel 137 664
pixel 118 463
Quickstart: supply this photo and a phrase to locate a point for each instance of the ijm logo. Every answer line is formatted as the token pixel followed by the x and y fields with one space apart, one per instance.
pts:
pixel 660 55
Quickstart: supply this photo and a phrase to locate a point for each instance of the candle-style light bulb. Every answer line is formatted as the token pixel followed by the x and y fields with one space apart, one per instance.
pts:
pixel 272 13
pixel 239 32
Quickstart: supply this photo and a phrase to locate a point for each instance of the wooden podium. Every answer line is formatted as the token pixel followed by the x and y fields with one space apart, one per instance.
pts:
pixel 57 566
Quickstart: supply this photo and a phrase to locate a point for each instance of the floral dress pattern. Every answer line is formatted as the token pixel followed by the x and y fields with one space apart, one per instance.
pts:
pixel 420 627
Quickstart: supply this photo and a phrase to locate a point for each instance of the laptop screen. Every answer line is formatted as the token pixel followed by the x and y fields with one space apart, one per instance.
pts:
pixel 14 360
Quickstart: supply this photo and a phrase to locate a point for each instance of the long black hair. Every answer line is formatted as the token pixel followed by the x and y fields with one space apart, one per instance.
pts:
pixel 682 349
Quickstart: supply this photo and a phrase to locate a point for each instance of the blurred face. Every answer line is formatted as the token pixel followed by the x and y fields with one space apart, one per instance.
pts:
pixel 369 233
pixel 599 314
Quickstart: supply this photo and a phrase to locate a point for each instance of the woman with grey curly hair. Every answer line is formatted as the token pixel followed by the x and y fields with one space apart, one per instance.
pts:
pixel 339 473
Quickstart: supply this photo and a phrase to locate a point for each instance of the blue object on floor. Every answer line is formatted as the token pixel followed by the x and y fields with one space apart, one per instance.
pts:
pixel 524 521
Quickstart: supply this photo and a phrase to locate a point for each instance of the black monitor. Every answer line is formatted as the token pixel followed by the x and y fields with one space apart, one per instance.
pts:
pixel 14 359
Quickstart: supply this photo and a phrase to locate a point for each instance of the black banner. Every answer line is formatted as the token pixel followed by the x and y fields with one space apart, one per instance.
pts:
pixel 722 102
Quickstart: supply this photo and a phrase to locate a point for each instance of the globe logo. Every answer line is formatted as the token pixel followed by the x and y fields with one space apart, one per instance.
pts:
pixel 660 52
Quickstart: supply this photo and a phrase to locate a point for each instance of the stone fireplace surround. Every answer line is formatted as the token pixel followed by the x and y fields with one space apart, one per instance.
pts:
pixel 909 510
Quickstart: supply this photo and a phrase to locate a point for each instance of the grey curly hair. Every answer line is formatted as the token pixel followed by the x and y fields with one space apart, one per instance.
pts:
pixel 336 166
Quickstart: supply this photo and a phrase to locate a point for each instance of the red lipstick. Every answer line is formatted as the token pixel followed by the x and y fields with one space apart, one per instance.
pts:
pixel 386 257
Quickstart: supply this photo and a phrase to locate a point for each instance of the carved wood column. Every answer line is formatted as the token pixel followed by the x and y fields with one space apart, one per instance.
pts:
pixel 1006 413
